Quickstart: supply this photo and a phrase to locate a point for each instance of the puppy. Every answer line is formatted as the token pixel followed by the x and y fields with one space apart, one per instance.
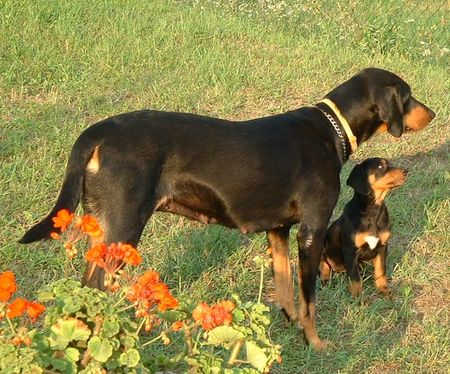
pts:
pixel 363 230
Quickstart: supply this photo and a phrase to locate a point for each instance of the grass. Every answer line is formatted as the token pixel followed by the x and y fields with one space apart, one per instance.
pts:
pixel 66 64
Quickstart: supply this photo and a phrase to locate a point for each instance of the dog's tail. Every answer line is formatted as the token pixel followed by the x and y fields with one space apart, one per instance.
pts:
pixel 71 190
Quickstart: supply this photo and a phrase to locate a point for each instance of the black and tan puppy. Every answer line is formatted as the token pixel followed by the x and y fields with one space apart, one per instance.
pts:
pixel 363 230
pixel 265 174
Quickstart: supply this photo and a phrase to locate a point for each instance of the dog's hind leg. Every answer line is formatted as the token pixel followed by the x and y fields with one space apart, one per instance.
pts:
pixel 122 203
pixel 310 247
pixel 284 289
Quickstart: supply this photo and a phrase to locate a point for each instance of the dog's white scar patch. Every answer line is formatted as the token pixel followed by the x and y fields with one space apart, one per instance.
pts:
pixel 372 241
pixel 309 241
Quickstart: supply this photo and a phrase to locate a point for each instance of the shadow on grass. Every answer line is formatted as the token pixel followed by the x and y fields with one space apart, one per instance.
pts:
pixel 189 250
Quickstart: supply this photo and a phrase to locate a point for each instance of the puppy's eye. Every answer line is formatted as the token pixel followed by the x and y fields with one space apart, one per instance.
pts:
pixel 381 166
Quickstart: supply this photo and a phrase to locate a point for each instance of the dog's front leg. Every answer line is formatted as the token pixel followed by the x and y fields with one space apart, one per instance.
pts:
pixel 284 289
pixel 310 247
pixel 352 267
pixel 379 266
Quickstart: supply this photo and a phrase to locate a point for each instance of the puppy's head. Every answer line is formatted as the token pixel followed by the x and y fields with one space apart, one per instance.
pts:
pixel 394 104
pixel 375 177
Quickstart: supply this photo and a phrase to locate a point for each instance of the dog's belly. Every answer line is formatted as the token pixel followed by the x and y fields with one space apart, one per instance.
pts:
pixel 203 204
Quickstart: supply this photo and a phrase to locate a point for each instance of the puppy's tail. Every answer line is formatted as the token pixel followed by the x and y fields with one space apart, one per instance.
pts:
pixel 70 193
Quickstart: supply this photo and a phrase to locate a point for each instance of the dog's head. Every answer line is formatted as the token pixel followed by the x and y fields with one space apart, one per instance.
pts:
pixel 396 108
pixel 376 177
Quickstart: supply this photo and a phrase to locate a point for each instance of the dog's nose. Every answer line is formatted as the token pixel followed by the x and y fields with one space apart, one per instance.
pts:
pixel 432 114
pixel 405 172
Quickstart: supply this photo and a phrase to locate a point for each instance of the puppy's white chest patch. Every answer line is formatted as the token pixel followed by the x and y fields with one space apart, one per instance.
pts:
pixel 372 241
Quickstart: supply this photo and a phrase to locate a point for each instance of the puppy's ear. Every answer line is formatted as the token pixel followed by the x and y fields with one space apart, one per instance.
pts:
pixel 358 180
pixel 390 110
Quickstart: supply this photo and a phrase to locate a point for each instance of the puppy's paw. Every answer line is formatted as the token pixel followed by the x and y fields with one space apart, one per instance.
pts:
pixel 355 288
pixel 382 285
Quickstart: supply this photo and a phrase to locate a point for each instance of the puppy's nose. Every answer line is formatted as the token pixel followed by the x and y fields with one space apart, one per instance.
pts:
pixel 405 172
pixel 432 114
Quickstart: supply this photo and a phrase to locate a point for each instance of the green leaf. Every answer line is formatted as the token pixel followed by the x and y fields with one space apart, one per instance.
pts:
pixel 100 349
pixel 256 355
pixel 238 315
pixel 71 305
pixel 172 315
pixel 110 328
pixel 127 341
pixel 224 334
pixel 45 296
pixel 72 353
pixel 130 358
pixel 65 331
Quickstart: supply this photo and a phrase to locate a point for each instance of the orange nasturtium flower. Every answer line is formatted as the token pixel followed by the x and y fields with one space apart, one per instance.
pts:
pixel 7 285
pixel 212 316
pixel 62 219
pixel 17 307
pixel 90 226
pixel 34 310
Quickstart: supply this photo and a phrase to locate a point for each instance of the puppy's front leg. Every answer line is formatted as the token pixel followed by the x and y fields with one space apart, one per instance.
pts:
pixel 352 268
pixel 379 266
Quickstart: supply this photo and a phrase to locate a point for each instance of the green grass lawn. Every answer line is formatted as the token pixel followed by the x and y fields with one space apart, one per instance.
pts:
pixel 65 64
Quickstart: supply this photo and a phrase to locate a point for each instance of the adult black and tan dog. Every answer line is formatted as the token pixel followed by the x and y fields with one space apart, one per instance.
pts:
pixel 265 174
pixel 362 232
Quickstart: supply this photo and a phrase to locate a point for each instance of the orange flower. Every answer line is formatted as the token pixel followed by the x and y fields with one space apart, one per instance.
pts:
pixel 216 315
pixel 110 258
pixel 97 254
pixel 7 285
pixel 150 291
pixel 132 256
pixel 62 219
pixel 176 326
pixel 168 302
pixel 90 226
pixel 203 314
pixel 149 277
pixel 55 235
pixel 34 310
pixel 17 308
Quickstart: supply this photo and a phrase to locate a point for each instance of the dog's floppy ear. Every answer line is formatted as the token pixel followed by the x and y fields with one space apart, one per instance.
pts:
pixel 358 180
pixel 390 110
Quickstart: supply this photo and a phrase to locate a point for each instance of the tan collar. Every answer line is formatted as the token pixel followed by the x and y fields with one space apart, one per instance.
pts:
pixel 348 131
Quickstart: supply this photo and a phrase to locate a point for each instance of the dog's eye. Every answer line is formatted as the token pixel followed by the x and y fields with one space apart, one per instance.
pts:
pixel 381 166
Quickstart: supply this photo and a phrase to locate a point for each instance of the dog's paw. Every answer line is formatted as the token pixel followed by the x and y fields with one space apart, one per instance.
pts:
pixel 355 288
pixel 382 285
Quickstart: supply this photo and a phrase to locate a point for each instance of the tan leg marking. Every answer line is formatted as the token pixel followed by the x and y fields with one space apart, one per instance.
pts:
pixel 284 288
pixel 381 281
pixel 325 271
pixel 94 163
pixel 355 288
pixel 307 319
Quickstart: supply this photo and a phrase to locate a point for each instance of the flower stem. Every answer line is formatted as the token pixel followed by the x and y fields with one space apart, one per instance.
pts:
pixel 140 326
pixel 11 325
pixel 261 281
pixel 120 300
pixel 234 353
pixel 152 341
pixel 125 308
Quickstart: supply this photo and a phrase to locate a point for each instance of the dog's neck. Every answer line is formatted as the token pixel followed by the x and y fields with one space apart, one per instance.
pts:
pixel 373 201
pixel 360 114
